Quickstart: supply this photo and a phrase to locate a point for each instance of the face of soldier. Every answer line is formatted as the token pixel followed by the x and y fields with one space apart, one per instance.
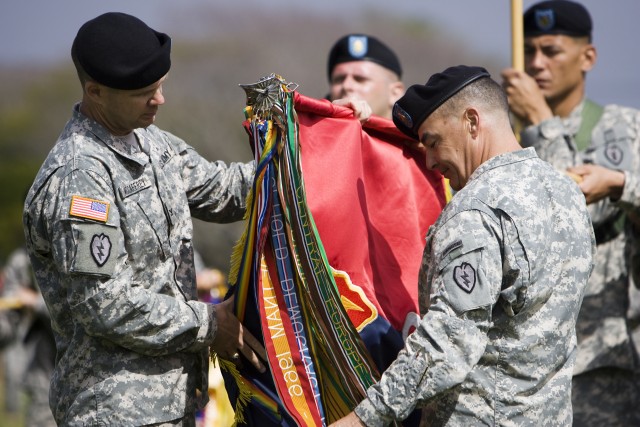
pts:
pixel 369 81
pixel 558 63
pixel 122 111
pixel 448 146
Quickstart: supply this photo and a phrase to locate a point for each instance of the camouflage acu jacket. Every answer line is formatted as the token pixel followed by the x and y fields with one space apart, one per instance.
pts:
pixel 604 338
pixel 502 278
pixel 109 234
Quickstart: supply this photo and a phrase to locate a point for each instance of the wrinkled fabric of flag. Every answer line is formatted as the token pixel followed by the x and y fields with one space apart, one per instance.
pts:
pixel 372 201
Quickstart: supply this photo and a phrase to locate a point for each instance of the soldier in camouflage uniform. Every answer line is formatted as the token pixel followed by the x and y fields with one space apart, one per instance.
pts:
pixel 109 234
pixel 601 147
pixel 30 356
pixel 363 66
pixel 503 273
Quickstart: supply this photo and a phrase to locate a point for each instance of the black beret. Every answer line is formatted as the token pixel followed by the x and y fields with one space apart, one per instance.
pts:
pixel 122 52
pixel 557 17
pixel 361 47
pixel 419 101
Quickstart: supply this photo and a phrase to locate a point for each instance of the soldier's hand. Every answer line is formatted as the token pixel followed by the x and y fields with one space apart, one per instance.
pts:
pixel 351 420
pixel 526 100
pixel 234 342
pixel 599 182
pixel 361 108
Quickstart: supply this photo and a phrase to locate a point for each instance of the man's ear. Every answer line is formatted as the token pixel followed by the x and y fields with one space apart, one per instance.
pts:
pixel 396 90
pixel 589 57
pixel 94 91
pixel 472 119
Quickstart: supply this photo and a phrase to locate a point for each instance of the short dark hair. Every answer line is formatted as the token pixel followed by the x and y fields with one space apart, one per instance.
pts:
pixel 484 90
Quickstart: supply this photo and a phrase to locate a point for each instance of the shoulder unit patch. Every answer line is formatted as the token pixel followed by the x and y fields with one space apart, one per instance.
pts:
pixel 465 277
pixel 100 248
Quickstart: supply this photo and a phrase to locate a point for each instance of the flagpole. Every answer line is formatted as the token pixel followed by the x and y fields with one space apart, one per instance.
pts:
pixel 517 36
pixel 517 51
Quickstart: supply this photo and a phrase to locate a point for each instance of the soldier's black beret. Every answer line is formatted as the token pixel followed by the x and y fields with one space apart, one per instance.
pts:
pixel 361 47
pixel 419 101
pixel 557 17
pixel 122 52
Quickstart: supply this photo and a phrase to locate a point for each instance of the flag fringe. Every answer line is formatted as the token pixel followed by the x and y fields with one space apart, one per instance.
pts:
pixel 238 248
pixel 244 392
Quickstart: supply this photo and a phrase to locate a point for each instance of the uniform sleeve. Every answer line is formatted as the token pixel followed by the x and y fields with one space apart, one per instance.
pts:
pixel 552 143
pixel 216 191
pixel 101 292
pixel 618 148
pixel 631 191
pixel 630 203
pixel 630 198
pixel 465 274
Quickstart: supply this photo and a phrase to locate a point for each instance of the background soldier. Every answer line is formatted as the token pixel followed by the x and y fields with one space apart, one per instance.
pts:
pixel 362 66
pixel 601 145
pixel 31 350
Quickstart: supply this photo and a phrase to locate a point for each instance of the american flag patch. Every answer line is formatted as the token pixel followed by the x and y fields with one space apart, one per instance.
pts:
pixel 84 207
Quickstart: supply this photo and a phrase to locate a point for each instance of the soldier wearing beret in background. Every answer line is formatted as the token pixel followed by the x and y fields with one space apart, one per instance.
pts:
pixel 601 145
pixel 109 233
pixel 503 274
pixel 362 66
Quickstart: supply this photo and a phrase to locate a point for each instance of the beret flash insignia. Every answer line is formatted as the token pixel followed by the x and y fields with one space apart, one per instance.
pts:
pixel 402 116
pixel 358 46
pixel 545 19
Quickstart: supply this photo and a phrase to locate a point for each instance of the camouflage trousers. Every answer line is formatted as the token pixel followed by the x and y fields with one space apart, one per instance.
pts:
pixel 606 397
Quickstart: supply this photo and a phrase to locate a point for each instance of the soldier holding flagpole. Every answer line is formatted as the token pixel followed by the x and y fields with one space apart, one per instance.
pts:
pixel 600 147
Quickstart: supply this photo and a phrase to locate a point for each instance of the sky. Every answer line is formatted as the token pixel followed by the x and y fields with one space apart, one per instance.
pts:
pixel 41 31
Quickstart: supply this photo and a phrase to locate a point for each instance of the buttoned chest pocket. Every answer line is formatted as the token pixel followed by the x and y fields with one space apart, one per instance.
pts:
pixel 172 191
pixel 145 225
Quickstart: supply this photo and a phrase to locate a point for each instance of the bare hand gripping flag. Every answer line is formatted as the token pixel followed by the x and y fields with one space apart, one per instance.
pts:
pixel 326 271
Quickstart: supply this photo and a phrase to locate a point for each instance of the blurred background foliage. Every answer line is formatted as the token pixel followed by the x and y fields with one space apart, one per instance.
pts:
pixel 214 50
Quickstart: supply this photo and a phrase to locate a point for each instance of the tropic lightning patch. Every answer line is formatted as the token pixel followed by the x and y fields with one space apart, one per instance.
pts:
pixel 93 246
pixel 100 248
pixel 465 277
pixel 461 272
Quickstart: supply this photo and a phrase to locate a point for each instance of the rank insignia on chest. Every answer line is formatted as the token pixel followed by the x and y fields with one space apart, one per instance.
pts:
pixel 84 207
